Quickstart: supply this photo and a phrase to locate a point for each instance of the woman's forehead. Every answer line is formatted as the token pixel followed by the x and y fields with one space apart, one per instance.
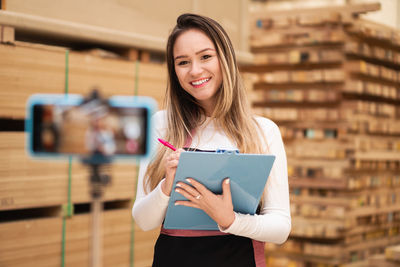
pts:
pixel 191 42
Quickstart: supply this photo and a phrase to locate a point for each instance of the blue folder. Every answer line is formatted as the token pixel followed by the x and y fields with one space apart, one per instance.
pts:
pixel 248 175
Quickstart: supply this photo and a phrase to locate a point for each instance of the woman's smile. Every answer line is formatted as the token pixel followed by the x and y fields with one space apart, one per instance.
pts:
pixel 200 82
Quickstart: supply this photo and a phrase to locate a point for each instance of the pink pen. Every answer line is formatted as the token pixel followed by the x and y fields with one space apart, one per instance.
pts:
pixel 165 143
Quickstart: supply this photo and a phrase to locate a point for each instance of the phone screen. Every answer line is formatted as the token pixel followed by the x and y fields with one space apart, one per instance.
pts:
pixel 89 128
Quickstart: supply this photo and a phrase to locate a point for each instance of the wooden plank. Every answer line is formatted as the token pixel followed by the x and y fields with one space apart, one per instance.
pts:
pixel 381 261
pixel 369 211
pixel 378 155
pixel 393 253
pixel 110 76
pixel 22 72
pixel 38 242
pixel 318 183
pixel 79 32
pixel 334 201
pixel 132 54
pixel 322 11
pixel 282 262
pixel 260 42
pixel 294 114
pixel 308 259
pixel 7 35
pixel 373 31
pixel 145 56
pixel 375 243
pixel 318 228
pixel 153 81
pixel 357 264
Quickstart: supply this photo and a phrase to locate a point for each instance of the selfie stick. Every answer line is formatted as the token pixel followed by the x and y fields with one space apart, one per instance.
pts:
pixel 97 182
pixel 96 162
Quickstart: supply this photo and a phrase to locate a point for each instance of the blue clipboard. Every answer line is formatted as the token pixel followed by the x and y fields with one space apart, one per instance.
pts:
pixel 248 175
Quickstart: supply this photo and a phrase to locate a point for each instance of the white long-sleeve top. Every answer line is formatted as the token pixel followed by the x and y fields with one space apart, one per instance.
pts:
pixel 273 224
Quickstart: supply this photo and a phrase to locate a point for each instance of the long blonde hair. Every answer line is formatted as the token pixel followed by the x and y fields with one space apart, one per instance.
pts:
pixel 232 112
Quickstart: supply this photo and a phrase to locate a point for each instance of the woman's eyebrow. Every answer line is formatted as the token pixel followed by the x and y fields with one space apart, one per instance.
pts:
pixel 203 50
pixel 198 52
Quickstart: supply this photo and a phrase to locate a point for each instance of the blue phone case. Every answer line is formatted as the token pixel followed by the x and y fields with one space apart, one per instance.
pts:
pixel 248 175
pixel 75 100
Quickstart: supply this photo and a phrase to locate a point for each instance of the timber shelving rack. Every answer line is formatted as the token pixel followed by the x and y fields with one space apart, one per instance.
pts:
pixel 45 205
pixel 331 81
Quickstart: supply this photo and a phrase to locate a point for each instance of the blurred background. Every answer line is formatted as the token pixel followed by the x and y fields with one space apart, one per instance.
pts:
pixel 327 72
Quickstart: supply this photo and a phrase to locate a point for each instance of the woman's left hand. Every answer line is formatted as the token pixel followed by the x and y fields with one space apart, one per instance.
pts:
pixel 218 207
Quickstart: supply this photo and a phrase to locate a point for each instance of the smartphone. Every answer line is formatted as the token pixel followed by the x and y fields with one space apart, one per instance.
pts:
pixel 61 125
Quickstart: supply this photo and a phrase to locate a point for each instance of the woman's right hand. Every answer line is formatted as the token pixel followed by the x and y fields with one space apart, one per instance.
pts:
pixel 170 169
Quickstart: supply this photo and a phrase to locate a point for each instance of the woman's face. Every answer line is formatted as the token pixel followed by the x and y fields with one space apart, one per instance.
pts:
pixel 197 67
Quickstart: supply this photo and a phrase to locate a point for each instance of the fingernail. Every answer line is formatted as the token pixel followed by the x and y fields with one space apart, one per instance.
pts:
pixel 189 180
pixel 227 181
pixel 179 185
pixel 177 204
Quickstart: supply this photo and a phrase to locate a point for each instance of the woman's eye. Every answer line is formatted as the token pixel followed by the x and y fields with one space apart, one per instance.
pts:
pixel 181 63
pixel 206 56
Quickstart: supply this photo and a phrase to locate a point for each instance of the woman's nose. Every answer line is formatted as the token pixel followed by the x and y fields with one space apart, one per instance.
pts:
pixel 195 69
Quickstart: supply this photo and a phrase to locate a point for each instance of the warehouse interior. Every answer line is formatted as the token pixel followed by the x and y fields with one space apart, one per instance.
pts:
pixel 327 72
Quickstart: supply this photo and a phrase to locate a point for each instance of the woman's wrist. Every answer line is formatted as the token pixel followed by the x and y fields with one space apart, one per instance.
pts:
pixel 228 222
pixel 165 188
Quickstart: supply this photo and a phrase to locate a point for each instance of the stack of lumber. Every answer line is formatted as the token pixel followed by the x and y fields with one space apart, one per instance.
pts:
pixel 34 193
pixel 28 68
pixel 28 183
pixel 37 242
pixel 331 81
pixel 391 258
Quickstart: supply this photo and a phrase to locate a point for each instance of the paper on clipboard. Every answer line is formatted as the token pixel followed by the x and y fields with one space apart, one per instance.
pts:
pixel 248 175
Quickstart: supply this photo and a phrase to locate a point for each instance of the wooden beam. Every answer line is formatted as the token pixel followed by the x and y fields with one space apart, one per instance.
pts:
pixel 347 9
pixel 83 33
pixel 7 35
pixel 132 54
pixel 79 32
pixel 319 183
pixel 144 56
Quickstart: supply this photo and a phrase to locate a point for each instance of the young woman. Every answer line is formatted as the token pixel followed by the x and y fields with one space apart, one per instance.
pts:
pixel 207 109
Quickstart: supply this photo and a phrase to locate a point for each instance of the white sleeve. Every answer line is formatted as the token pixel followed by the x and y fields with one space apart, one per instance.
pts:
pixel 274 222
pixel 149 210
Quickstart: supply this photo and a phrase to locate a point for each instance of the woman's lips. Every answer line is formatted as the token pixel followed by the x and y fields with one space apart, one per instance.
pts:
pixel 200 82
